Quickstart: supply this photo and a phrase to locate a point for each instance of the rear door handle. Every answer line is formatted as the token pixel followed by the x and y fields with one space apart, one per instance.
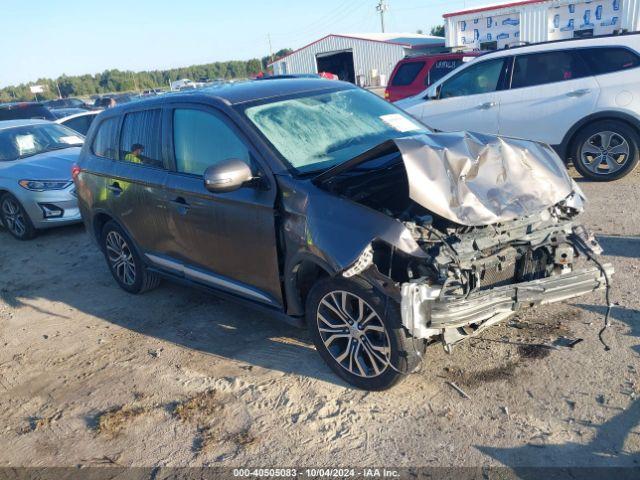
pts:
pixel 486 105
pixel 115 188
pixel 578 93
pixel 181 205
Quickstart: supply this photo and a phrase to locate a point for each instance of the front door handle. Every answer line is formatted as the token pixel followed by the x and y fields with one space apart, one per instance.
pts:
pixel 115 188
pixel 181 205
pixel 486 105
pixel 578 93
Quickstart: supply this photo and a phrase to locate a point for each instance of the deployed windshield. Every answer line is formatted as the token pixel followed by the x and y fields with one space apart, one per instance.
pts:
pixel 28 140
pixel 317 132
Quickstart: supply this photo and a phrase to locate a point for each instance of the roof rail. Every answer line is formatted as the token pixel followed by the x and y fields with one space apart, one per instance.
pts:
pixel 620 33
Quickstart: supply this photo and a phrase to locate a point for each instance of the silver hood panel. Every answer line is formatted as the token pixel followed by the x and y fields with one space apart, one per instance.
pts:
pixel 477 179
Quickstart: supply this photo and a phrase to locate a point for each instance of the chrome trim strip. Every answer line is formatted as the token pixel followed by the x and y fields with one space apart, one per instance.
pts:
pixel 211 279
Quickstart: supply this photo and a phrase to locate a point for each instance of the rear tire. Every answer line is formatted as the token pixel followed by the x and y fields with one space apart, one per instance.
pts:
pixel 606 150
pixel 15 218
pixel 124 262
pixel 359 333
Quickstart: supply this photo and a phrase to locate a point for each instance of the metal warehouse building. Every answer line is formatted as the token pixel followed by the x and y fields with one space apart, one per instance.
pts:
pixel 365 59
pixel 532 21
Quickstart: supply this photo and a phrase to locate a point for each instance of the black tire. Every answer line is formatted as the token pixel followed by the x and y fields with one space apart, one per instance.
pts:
pixel 15 218
pixel 404 353
pixel 133 280
pixel 587 139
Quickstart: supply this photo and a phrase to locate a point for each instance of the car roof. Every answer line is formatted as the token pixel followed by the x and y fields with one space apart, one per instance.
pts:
pixel 429 56
pixel 21 104
pixel 21 123
pixel 79 114
pixel 566 44
pixel 243 92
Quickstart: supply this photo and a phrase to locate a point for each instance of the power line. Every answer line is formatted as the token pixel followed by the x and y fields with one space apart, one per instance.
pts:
pixel 323 27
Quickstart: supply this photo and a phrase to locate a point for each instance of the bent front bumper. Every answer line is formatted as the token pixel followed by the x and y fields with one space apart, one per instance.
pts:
pixel 425 315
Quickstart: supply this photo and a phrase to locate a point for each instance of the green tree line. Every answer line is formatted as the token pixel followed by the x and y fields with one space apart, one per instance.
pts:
pixel 115 80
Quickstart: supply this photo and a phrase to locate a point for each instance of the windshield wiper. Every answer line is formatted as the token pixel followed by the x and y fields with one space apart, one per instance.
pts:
pixel 378 151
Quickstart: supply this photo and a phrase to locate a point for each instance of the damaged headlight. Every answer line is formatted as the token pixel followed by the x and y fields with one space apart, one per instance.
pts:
pixel 364 261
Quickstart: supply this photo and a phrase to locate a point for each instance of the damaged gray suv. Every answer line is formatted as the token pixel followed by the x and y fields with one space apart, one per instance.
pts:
pixel 326 205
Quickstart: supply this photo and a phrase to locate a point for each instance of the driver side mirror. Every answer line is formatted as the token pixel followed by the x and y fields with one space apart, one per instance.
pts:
pixel 227 176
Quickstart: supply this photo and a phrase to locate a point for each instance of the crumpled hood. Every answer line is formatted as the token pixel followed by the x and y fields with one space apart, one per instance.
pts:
pixel 476 179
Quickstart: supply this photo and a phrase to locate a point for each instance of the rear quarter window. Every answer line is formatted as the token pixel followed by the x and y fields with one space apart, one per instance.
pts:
pixel 534 69
pixel 407 73
pixel 609 59
pixel 105 143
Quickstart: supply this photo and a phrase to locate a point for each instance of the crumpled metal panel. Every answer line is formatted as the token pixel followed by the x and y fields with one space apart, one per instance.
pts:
pixel 476 179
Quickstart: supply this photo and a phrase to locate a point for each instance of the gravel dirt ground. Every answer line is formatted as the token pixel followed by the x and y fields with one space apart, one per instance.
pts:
pixel 90 375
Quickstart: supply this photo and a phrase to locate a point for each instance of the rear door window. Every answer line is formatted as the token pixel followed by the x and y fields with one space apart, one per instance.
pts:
pixel 440 69
pixel 548 67
pixel 80 124
pixel 482 77
pixel 407 73
pixel 140 141
pixel 105 143
pixel 202 139
pixel 609 59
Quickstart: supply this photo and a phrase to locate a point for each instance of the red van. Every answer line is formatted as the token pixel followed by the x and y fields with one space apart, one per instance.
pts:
pixel 412 75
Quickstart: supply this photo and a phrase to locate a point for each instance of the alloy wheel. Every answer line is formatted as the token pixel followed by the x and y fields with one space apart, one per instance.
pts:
pixel 13 217
pixel 605 152
pixel 120 258
pixel 353 334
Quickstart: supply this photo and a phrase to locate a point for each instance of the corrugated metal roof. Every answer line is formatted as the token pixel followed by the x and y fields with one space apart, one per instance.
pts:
pixel 407 40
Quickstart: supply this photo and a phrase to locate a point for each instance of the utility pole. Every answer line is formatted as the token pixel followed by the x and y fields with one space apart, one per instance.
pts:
pixel 270 47
pixel 382 7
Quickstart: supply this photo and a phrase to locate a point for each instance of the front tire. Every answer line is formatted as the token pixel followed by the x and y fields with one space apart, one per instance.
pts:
pixel 606 150
pixel 359 334
pixel 123 260
pixel 15 218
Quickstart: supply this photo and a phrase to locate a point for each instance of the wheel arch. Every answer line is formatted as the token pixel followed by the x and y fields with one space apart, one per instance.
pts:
pixel 98 222
pixel 302 272
pixel 566 147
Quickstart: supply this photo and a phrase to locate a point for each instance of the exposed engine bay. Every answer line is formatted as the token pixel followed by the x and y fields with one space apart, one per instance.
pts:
pixel 475 274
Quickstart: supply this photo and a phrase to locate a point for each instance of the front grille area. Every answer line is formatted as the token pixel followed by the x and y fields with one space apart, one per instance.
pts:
pixel 533 265
pixel 513 268
pixel 497 276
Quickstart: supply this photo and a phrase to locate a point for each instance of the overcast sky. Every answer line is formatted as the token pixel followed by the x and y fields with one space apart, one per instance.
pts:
pixel 46 38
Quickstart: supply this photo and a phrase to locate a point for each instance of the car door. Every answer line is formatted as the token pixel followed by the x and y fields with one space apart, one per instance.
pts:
pixel 137 187
pixel 467 100
pixel 550 92
pixel 224 240
pixel 98 168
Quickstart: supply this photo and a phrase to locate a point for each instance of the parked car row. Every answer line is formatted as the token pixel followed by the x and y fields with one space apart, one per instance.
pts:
pixel 580 96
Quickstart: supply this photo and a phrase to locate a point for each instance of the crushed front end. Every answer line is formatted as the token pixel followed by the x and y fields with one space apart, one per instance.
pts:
pixel 480 276
pixel 492 222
